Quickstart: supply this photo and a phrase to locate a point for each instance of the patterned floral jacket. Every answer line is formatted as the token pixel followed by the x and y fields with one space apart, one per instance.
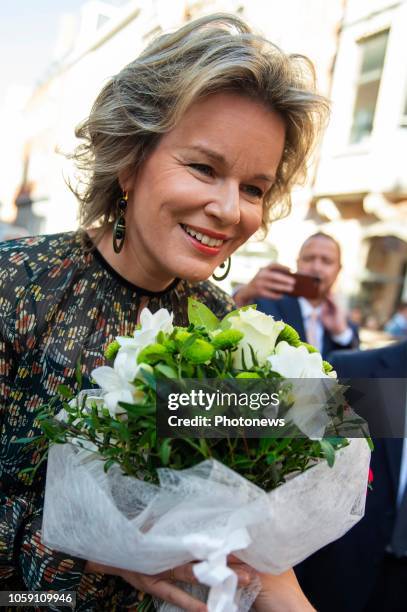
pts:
pixel 60 303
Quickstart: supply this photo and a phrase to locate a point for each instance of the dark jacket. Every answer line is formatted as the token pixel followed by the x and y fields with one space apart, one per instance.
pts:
pixel 340 577
pixel 288 309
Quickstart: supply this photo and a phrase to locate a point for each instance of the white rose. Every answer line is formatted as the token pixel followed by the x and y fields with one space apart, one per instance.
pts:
pixel 308 411
pixel 260 332
pixel 296 362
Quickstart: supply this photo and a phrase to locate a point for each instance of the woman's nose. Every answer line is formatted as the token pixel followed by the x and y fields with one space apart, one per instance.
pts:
pixel 225 204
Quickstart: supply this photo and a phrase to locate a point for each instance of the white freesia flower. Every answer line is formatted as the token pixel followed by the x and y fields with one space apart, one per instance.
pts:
pixel 151 325
pixel 125 364
pixel 296 362
pixel 87 398
pixel 260 332
pixel 116 382
pixel 115 389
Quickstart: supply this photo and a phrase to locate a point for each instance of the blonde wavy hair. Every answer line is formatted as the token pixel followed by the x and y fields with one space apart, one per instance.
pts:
pixel 148 97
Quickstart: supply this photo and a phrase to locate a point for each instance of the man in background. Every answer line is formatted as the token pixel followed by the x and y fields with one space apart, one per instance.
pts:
pixel 397 326
pixel 319 321
pixel 366 569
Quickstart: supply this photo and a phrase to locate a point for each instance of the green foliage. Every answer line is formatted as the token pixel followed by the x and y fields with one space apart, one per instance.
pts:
pixel 181 335
pixel 328 450
pixel 112 350
pixel 203 350
pixel 152 354
pixel 290 335
pixel 199 314
pixel 198 351
pixel 65 392
pixel 227 339
pixel 309 347
pixel 327 367
pixel 248 375
pixel 131 442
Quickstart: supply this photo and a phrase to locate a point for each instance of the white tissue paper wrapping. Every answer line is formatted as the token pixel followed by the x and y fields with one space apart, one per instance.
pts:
pixel 201 513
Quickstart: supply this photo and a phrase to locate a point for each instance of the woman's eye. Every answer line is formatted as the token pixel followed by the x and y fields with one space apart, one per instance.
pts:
pixel 253 191
pixel 203 169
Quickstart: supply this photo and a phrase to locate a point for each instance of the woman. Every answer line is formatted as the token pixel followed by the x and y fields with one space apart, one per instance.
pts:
pixel 185 153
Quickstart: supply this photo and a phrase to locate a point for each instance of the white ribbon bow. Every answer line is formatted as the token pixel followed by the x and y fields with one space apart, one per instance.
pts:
pixel 213 570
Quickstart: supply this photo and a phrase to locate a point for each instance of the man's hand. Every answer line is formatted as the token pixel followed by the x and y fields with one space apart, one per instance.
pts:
pixel 162 585
pixel 333 317
pixel 270 282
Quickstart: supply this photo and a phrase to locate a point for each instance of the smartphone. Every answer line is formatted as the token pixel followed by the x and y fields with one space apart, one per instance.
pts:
pixel 305 285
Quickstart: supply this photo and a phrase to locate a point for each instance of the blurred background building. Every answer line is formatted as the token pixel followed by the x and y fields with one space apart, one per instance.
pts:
pixel 357 186
pixel 360 188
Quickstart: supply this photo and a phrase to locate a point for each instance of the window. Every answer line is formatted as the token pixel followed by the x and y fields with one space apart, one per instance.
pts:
pixel 372 52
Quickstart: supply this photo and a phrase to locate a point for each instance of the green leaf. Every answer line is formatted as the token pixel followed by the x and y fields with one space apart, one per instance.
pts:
pixel 243 463
pixel 150 379
pixel 253 355
pixel 152 354
pixel 145 439
pixel 165 451
pixel 199 314
pixel 370 443
pixel 78 373
pixel 265 443
pixel 336 441
pixel 204 447
pixel 166 370
pixel 25 440
pixel 160 337
pixel 328 451
pixel 108 464
pixel 27 470
pixel 136 409
pixel 65 392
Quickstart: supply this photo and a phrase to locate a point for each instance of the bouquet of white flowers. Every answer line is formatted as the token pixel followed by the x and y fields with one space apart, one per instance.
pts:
pixel 120 495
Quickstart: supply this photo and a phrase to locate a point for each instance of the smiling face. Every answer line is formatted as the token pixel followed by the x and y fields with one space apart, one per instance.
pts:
pixel 199 194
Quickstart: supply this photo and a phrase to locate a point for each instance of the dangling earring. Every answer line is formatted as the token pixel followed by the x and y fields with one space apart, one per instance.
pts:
pixel 222 265
pixel 119 228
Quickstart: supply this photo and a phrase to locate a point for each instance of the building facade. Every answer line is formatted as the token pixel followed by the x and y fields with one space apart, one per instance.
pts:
pixel 360 189
pixel 357 187
pixel 107 37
